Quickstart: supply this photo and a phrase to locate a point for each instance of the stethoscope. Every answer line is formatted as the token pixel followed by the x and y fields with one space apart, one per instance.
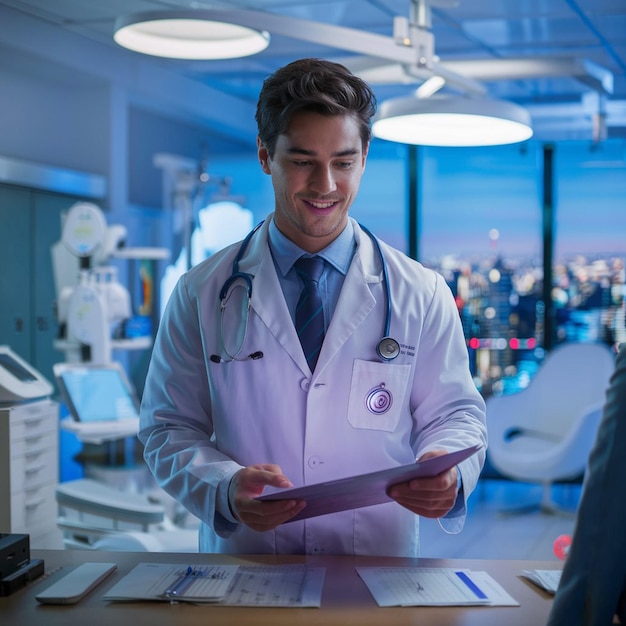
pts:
pixel 387 348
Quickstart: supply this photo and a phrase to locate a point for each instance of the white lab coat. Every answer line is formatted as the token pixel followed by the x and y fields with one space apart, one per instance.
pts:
pixel 202 421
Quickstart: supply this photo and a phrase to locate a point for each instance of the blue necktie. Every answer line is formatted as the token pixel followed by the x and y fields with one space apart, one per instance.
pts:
pixel 310 308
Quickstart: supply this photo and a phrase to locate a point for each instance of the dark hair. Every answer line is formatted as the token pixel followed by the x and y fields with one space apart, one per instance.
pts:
pixel 312 85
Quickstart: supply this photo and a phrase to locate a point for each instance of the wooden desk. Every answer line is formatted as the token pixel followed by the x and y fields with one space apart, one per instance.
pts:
pixel 346 601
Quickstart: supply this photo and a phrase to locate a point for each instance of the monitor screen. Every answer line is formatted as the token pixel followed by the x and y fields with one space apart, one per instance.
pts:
pixel 12 366
pixel 19 380
pixel 97 394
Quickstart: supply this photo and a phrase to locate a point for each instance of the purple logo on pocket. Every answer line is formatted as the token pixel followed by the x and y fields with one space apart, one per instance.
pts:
pixel 379 400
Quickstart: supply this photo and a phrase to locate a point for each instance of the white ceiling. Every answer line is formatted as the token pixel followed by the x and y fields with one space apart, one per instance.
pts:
pixel 587 36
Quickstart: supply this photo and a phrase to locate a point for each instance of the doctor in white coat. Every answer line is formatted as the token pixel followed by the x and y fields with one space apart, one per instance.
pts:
pixel 231 404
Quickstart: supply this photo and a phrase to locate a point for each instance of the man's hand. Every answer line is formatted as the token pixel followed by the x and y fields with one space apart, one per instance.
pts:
pixel 428 497
pixel 248 484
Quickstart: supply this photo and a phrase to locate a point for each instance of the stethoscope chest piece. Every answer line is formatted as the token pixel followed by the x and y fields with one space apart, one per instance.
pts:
pixel 388 348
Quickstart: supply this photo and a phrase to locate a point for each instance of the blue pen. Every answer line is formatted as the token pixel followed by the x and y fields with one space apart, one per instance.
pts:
pixel 182 583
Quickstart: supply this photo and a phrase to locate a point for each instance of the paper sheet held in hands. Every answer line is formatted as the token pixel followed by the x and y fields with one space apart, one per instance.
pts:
pixel 364 490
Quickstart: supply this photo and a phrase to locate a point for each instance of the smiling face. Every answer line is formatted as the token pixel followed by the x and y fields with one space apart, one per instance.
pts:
pixel 316 171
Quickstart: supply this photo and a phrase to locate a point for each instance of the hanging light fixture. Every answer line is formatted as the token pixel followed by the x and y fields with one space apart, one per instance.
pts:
pixel 452 121
pixel 192 35
pixel 423 119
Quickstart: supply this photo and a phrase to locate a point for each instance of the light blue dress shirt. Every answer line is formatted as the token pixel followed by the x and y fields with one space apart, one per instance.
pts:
pixel 338 256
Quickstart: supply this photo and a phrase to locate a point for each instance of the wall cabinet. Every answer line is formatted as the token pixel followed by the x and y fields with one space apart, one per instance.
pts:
pixel 30 222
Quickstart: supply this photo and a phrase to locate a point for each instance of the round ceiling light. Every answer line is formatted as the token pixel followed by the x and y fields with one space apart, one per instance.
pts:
pixel 187 35
pixel 452 121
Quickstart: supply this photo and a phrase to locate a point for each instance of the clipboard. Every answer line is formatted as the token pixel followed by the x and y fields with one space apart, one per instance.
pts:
pixel 356 492
pixel 166 582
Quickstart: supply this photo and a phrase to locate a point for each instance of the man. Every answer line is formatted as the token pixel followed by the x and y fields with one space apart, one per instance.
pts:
pixel 232 403
pixel 593 583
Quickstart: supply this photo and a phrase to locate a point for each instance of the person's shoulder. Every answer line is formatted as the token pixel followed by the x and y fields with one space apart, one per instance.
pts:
pixel 397 258
pixel 221 257
pixel 215 267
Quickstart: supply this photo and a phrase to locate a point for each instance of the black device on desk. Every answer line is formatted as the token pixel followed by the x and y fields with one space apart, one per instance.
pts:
pixel 16 567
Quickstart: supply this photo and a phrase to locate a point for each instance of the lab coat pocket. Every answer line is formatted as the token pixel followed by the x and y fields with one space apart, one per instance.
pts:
pixel 377 394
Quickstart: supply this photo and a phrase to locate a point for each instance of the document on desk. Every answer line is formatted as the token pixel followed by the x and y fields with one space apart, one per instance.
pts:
pixel 365 490
pixel 418 586
pixel 229 585
pixel 174 582
pixel 547 579
pixel 276 586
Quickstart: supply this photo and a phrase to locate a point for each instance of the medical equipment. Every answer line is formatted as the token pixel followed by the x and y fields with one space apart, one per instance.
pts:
pixel 19 381
pixel 102 403
pixel 387 348
pixel 96 516
pixel 94 310
pixel 96 393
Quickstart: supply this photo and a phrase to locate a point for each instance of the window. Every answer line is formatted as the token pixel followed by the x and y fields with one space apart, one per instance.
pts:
pixel 481 226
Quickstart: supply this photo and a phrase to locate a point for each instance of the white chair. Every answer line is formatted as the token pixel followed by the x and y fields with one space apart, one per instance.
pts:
pixel 95 516
pixel 544 433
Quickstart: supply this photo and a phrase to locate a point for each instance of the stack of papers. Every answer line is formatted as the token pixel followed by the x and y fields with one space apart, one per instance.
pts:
pixel 231 585
pixel 547 579
pixel 417 586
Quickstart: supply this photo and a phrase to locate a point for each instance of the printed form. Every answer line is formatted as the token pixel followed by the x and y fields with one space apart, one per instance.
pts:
pixel 417 586
pixel 231 585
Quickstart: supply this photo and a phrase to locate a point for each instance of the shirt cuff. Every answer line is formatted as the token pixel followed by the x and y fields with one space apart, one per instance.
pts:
pixel 459 505
pixel 224 507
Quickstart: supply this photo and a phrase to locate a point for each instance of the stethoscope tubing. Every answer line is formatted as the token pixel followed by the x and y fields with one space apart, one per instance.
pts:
pixel 387 348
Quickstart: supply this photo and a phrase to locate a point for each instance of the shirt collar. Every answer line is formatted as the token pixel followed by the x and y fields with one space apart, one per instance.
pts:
pixel 338 253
